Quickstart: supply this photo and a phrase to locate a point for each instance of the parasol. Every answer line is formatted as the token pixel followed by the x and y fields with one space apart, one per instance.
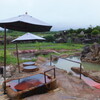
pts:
pixel 26 37
pixel 23 23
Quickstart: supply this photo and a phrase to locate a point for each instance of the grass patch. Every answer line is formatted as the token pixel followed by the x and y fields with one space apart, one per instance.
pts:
pixel 11 59
pixel 43 45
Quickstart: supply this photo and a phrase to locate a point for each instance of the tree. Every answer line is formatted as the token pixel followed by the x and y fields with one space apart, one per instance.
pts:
pixel 71 31
pixel 49 38
pixel 80 29
pixel 97 27
pixel 88 30
pixel 95 32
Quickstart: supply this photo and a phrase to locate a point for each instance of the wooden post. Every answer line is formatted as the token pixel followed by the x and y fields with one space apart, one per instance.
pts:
pixel 44 77
pixel 17 57
pixel 80 71
pixel 50 60
pixel 4 69
pixel 54 73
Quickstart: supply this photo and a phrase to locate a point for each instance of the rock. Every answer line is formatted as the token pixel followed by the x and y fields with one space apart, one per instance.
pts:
pixel 89 56
pixel 54 58
pixel 87 74
pixel 64 56
pixel 76 70
pixel 8 74
pixel 10 70
pixel 82 33
pixel 77 54
pixel 40 60
pixel 70 73
pixel 91 53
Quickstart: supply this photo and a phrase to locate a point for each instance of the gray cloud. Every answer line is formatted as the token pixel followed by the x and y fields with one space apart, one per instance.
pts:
pixel 61 14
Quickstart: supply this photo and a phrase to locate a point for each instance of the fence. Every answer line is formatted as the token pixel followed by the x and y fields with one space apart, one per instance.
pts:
pixel 67 60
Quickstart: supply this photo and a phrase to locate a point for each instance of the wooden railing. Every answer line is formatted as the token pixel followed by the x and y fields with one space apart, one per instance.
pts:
pixel 67 60
pixel 48 71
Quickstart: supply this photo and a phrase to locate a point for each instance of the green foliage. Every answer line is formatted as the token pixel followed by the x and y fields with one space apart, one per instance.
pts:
pixel 95 32
pixel 88 30
pixel 15 34
pixel 42 45
pixel 97 27
pixel 69 40
pixel 10 59
pixel 71 31
pixel 49 38
pixel 80 35
pixel 1 56
pixel 79 30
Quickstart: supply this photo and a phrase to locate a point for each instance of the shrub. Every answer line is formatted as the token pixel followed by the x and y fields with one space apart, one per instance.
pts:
pixel 49 38
pixel 95 32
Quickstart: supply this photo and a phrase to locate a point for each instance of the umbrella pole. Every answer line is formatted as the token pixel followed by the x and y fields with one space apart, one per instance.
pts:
pixel 4 69
pixel 17 57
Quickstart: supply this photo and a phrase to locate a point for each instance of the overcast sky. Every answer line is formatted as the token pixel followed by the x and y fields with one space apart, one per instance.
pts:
pixel 61 14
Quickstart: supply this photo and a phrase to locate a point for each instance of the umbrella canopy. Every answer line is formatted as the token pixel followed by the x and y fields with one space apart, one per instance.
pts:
pixel 25 23
pixel 28 37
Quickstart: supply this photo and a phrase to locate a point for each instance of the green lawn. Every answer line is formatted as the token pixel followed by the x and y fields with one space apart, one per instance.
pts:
pixel 44 45
pixel 11 59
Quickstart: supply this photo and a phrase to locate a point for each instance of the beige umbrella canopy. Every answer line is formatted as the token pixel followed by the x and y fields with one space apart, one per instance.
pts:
pixel 28 37
pixel 23 23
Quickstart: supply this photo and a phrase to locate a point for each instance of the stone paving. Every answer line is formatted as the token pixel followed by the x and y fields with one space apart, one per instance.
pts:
pixel 2 96
pixel 69 88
